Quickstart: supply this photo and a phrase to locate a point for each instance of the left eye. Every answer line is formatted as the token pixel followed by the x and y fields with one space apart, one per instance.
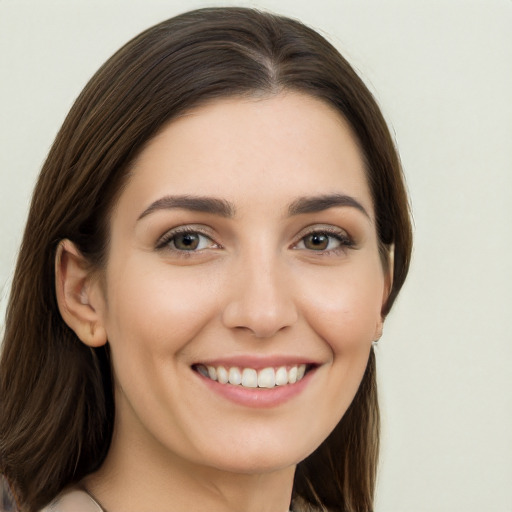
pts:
pixel 320 241
pixel 188 241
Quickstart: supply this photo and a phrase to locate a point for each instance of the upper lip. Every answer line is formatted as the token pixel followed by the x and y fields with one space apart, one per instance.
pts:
pixel 257 362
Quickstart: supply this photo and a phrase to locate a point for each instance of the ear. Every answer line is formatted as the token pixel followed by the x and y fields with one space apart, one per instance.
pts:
pixel 388 284
pixel 79 295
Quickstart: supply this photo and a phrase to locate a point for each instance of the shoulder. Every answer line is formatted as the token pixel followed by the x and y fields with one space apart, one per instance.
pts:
pixel 73 500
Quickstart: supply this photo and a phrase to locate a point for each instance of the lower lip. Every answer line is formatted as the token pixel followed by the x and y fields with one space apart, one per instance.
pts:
pixel 258 397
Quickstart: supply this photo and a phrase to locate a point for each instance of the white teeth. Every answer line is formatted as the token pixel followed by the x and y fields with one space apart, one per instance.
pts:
pixel 250 378
pixel 281 376
pixel 267 378
pixel 235 377
pixel 222 375
pixel 212 372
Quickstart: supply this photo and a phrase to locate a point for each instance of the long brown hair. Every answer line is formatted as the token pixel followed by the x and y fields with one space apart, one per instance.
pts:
pixel 56 400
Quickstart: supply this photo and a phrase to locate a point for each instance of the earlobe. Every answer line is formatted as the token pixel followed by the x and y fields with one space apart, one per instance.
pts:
pixel 378 330
pixel 79 296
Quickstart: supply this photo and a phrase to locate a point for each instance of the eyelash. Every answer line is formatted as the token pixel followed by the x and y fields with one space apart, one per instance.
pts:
pixel 344 240
pixel 164 243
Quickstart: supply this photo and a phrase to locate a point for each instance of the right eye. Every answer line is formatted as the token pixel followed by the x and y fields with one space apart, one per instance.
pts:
pixel 186 241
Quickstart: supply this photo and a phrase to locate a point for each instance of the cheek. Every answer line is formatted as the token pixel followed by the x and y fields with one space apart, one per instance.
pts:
pixel 344 308
pixel 158 307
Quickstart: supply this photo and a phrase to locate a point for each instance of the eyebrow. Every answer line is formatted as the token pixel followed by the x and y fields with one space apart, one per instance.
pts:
pixel 194 203
pixel 324 202
pixel 216 206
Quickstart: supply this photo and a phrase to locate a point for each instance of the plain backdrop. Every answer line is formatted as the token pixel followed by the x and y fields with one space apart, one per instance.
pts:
pixel 442 72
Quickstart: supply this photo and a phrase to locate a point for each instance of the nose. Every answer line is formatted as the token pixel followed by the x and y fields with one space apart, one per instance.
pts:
pixel 261 299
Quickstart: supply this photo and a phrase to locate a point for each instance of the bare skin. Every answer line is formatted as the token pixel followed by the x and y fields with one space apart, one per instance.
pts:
pixel 246 239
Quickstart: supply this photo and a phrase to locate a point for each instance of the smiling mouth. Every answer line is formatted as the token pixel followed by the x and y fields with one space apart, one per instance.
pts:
pixel 267 378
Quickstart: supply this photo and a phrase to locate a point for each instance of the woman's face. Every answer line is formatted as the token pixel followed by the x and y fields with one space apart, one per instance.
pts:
pixel 243 247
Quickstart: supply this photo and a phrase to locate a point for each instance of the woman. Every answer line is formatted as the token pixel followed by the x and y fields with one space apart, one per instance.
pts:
pixel 215 239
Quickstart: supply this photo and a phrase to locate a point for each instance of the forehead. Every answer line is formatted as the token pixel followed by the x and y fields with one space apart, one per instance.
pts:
pixel 264 150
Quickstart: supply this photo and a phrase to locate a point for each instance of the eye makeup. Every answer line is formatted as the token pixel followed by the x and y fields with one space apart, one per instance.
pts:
pixel 187 239
pixel 324 240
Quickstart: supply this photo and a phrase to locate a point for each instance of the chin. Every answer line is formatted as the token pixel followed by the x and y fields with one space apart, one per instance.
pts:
pixel 260 457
